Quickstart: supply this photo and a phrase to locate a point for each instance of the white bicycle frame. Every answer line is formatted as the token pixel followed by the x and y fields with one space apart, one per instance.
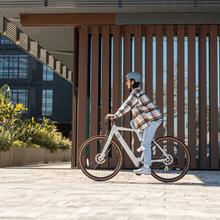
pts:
pixel 136 160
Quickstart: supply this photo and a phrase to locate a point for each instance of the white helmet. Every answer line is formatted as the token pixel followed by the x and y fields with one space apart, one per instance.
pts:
pixel 134 75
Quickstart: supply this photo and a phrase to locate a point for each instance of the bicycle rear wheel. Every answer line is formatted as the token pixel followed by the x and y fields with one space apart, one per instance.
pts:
pixel 95 167
pixel 173 166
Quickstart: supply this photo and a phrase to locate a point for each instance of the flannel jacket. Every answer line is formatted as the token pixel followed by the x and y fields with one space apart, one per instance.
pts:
pixel 143 110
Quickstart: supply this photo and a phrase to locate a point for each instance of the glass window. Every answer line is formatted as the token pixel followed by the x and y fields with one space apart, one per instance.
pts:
pixel 47 102
pixel 47 73
pixel 1 73
pixel 23 66
pixel 5 40
pixel 19 96
pixel 13 66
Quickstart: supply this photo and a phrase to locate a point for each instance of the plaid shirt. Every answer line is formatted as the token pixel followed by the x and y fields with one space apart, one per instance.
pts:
pixel 143 110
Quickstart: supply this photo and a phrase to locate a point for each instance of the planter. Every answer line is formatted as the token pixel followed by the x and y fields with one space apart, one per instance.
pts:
pixel 23 156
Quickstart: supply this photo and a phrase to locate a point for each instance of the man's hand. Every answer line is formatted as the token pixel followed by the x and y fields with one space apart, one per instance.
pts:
pixel 111 116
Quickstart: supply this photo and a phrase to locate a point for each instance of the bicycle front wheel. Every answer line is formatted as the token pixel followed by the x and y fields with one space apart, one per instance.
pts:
pixel 172 164
pixel 93 164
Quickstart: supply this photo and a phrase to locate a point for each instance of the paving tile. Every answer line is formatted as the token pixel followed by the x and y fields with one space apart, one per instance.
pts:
pixel 54 191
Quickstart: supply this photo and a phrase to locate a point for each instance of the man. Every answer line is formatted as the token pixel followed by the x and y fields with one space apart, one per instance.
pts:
pixel 146 117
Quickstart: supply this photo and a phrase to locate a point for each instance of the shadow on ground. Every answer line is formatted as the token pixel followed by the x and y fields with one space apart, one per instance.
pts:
pixel 202 178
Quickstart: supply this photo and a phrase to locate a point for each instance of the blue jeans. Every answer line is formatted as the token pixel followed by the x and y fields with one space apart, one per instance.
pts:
pixel 139 134
pixel 146 137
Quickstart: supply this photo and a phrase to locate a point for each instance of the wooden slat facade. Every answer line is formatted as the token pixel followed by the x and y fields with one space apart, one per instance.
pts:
pixel 159 73
pixel 149 60
pixel 213 97
pixel 170 83
pixel 100 62
pixel 105 80
pixel 94 91
pixel 116 84
pixel 138 67
pixel 82 90
pixel 192 92
pixel 128 32
pixel 202 98
pixel 180 89
pixel 105 91
pixel 116 87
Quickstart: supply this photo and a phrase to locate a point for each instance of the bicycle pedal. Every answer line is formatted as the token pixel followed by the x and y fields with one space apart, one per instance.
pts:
pixel 140 165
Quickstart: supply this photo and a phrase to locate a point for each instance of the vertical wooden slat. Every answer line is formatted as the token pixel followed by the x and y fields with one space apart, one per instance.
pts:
pixel 218 91
pixel 105 95
pixel 170 80
pixel 75 97
pixel 116 68
pixel 116 87
pixel 149 61
pixel 159 73
pixel 202 98
pixel 138 65
pixel 138 48
pixel 192 95
pixel 127 68
pixel 105 75
pixel 180 89
pixel 213 97
pixel 82 90
pixel 94 87
pixel 170 83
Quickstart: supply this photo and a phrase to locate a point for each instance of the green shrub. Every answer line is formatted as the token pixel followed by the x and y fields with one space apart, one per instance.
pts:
pixel 44 135
pixel 5 140
pixel 18 143
pixel 26 133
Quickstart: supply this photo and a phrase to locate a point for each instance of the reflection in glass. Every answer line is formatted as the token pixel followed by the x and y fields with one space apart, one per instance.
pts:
pixel 47 102
pixel 19 96
pixel 13 66
pixel 47 73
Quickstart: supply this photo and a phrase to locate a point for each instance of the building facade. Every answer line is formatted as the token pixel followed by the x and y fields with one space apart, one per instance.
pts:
pixel 174 44
pixel 34 84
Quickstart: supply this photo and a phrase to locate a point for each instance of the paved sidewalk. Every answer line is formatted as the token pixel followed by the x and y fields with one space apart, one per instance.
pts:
pixel 54 191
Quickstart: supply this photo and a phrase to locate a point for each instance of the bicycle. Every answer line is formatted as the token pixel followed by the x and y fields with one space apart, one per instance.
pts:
pixel 100 157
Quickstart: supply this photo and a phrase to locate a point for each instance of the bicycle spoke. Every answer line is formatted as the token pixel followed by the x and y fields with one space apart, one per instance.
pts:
pixel 171 168
pixel 91 167
pixel 101 168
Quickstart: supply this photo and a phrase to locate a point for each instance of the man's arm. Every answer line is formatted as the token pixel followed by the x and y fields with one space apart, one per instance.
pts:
pixel 129 103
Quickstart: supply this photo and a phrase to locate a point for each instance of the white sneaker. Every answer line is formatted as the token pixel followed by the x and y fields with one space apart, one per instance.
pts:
pixel 141 148
pixel 142 170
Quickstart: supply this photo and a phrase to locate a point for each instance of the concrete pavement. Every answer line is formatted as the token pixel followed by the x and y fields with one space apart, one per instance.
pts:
pixel 54 191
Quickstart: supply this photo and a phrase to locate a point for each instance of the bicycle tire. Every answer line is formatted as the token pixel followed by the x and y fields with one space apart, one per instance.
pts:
pixel 85 168
pixel 184 161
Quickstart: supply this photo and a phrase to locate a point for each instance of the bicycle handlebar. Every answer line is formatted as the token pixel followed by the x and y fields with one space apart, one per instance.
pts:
pixel 106 119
